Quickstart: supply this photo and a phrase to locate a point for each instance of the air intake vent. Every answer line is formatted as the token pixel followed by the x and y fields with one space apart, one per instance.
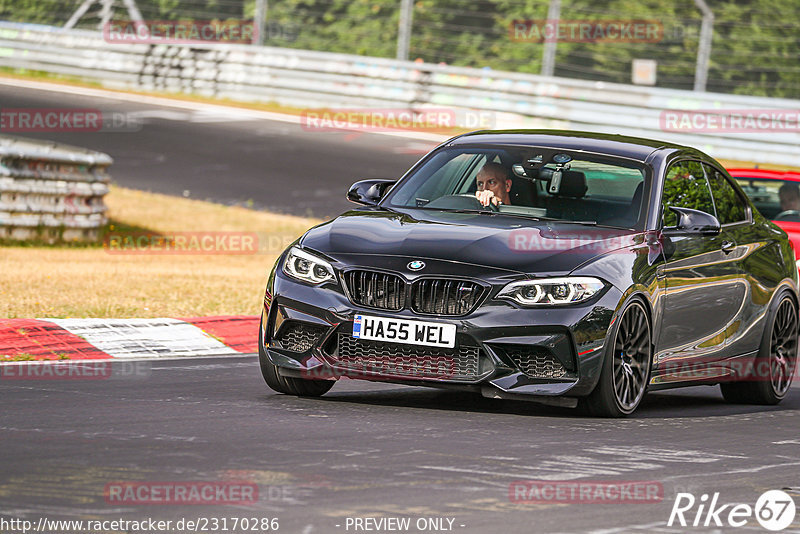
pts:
pixel 445 297
pixel 296 336
pixel 376 290
pixel 534 362
pixel 411 361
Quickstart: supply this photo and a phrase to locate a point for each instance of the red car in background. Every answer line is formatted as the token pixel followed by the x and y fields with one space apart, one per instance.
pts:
pixel 776 194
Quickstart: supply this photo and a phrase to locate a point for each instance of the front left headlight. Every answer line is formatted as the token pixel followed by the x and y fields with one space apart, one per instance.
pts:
pixel 552 291
pixel 307 267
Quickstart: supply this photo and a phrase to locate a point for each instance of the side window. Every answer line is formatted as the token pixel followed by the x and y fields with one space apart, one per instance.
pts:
pixel 685 187
pixel 730 206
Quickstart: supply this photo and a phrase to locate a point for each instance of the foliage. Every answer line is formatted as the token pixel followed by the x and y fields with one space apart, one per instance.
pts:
pixel 754 48
pixel 686 192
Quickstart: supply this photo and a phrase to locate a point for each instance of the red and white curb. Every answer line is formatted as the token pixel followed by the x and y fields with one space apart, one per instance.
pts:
pixel 99 339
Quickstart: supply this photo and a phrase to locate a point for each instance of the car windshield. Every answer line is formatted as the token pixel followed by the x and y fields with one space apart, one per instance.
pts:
pixel 775 199
pixel 540 183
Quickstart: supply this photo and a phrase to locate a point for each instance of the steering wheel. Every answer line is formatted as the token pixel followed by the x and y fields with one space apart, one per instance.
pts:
pixel 488 207
pixel 788 213
pixel 491 206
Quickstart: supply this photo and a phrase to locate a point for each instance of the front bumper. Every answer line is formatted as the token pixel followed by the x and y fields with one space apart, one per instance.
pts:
pixel 502 350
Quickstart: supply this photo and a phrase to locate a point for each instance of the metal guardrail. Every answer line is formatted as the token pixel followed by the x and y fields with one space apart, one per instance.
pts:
pixel 51 192
pixel 310 79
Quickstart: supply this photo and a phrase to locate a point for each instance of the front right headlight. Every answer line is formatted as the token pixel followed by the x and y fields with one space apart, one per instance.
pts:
pixel 307 267
pixel 552 291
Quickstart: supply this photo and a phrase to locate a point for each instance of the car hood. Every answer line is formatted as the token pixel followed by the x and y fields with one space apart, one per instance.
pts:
pixel 498 241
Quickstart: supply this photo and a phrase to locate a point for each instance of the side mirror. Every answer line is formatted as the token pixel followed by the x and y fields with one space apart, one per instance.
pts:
pixel 693 222
pixel 369 192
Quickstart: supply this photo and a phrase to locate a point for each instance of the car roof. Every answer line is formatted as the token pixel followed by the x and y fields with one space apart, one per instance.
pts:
pixel 611 144
pixel 766 174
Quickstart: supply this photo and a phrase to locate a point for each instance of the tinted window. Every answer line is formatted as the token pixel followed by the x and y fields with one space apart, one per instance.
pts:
pixel 773 198
pixel 730 206
pixel 587 189
pixel 763 194
pixel 685 187
pixel 609 181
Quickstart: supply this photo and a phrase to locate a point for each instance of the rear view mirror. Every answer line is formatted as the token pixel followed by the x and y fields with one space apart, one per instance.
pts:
pixel 693 222
pixel 369 192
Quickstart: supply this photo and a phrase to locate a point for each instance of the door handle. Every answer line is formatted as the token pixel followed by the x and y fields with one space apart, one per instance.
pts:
pixel 728 246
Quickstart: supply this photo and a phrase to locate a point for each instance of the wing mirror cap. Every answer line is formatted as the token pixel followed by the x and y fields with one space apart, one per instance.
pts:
pixel 369 192
pixel 693 222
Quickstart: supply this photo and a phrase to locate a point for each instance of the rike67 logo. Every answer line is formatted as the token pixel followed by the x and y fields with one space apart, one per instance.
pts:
pixel 774 511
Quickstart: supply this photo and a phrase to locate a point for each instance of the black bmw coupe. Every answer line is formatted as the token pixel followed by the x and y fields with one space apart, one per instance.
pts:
pixel 559 267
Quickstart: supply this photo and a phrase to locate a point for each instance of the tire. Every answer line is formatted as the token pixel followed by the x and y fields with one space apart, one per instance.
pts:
pixel 626 365
pixel 288 385
pixel 777 353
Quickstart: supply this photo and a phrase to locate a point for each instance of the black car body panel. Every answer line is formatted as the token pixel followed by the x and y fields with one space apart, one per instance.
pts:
pixel 460 237
pixel 707 298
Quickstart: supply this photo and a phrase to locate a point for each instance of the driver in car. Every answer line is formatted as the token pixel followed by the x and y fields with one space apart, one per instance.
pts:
pixel 493 185
pixel 789 195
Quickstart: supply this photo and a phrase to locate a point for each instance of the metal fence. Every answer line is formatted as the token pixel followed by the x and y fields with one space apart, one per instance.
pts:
pixel 51 192
pixel 749 49
pixel 308 79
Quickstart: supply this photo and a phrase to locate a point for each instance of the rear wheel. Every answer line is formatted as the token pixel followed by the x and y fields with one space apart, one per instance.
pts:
pixel 776 360
pixel 626 366
pixel 288 385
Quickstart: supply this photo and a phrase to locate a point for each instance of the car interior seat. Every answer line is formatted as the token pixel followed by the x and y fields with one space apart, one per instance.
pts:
pixel 523 192
pixel 567 204
pixel 629 218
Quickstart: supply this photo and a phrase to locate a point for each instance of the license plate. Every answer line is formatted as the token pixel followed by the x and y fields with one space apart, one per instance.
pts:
pixel 404 331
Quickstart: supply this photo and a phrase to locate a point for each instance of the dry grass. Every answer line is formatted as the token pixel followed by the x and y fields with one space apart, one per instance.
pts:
pixel 52 281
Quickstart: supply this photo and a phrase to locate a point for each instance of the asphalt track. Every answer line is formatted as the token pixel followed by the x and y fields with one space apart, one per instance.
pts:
pixel 374 450
pixel 231 158
pixel 365 450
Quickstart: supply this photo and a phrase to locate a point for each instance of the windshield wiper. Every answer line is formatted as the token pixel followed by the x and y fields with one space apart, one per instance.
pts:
pixel 462 210
pixel 494 213
pixel 586 223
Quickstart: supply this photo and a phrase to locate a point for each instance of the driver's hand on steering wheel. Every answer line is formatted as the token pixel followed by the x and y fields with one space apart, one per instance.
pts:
pixel 486 197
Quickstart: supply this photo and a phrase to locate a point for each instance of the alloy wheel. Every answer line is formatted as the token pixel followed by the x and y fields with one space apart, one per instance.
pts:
pixel 631 358
pixel 783 348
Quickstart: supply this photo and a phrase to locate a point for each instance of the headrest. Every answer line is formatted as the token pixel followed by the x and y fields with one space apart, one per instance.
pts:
pixel 636 201
pixel 573 184
pixel 637 194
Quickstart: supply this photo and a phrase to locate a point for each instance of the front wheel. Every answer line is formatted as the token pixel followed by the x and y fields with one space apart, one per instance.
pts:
pixel 626 366
pixel 776 360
